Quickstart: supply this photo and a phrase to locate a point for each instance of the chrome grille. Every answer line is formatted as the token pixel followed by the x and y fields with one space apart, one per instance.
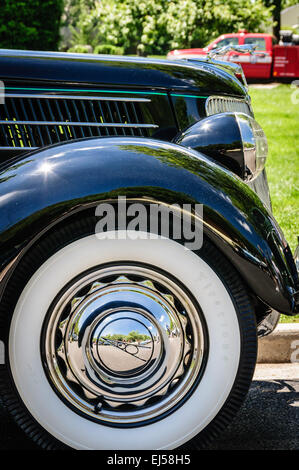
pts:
pixel 33 121
pixel 221 104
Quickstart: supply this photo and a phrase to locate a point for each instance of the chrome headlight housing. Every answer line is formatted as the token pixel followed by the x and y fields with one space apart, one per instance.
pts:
pixel 235 140
pixel 255 147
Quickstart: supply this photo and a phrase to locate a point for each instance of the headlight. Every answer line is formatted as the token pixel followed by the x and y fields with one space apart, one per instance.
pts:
pixel 255 147
pixel 235 140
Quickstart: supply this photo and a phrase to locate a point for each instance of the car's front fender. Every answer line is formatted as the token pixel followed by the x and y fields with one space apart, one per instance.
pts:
pixel 42 188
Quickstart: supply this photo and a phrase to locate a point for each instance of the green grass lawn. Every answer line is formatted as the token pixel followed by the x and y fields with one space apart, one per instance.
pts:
pixel 279 118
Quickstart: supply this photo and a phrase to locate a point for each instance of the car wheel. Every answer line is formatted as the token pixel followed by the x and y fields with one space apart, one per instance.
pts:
pixel 125 343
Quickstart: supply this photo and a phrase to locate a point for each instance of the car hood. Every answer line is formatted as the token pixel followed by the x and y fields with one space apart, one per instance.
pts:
pixel 118 71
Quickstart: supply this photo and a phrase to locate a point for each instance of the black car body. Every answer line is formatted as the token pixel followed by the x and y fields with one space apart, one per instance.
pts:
pixel 79 130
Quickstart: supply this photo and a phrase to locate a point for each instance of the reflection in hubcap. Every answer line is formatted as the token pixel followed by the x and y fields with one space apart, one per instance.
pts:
pixel 124 344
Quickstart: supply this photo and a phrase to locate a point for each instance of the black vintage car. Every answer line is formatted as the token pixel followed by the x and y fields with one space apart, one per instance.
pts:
pixel 115 333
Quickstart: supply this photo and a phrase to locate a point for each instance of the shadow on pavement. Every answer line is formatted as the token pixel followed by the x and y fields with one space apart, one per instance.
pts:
pixel 269 419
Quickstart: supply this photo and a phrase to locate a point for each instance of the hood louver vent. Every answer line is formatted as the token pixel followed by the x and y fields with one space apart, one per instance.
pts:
pixel 28 122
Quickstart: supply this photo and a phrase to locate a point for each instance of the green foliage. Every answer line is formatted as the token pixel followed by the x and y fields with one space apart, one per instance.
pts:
pixel 81 48
pixel 154 27
pixel 76 9
pixel 295 29
pixel 288 3
pixel 30 24
pixel 136 336
pixel 132 337
pixel 108 49
pixel 194 23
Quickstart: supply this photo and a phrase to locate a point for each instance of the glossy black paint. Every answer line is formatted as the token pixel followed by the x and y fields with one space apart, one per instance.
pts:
pixel 187 111
pixel 268 324
pixel 220 138
pixel 117 72
pixel 44 188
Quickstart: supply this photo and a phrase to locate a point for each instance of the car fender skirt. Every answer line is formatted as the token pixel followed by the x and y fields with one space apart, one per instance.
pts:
pixel 45 187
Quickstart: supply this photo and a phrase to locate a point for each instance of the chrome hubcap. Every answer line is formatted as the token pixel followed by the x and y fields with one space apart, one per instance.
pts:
pixel 123 344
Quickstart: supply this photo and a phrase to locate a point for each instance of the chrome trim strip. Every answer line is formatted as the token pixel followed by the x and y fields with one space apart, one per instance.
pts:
pixel 19 148
pixel 226 99
pixel 80 124
pixel 79 97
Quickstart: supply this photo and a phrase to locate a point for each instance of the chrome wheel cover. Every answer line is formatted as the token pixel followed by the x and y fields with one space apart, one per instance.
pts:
pixel 124 345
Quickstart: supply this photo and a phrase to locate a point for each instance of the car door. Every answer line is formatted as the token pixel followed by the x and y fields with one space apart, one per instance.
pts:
pixel 257 65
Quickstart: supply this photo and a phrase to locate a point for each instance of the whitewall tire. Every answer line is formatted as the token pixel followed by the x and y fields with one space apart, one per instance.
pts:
pixel 207 357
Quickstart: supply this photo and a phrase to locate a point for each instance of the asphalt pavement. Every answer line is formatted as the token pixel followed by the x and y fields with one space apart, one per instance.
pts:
pixel 268 419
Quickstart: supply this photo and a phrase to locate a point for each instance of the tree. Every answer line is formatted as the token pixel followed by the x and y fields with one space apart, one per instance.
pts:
pixel 194 23
pixel 155 26
pixel 30 24
pixel 277 6
pixel 74 32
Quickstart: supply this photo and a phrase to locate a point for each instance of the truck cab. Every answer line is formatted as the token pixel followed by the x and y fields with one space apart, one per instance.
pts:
pixel 254 66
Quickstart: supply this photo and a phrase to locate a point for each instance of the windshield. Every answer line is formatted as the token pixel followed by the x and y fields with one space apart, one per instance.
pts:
pixel 230 41
pixel 260 43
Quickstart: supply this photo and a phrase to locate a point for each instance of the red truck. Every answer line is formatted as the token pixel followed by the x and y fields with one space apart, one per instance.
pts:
pixel 270 60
